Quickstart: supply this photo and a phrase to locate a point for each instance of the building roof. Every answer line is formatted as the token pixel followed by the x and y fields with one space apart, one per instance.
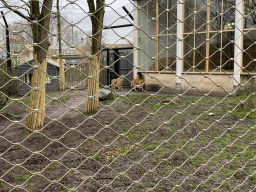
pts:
pixel 117 45
pixel 56 64
pixel 82 50
pixel 50 61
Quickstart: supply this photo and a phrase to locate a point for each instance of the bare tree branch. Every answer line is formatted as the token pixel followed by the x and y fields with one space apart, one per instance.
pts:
pixel 46 10
pixel 15 11
pixel 25 9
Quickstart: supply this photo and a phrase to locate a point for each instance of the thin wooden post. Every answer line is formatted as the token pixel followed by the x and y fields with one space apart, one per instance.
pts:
pixel 61 63
pixel 61 75
pixel 93 86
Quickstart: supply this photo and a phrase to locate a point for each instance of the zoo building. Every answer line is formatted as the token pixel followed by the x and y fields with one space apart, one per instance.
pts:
pixel 180 44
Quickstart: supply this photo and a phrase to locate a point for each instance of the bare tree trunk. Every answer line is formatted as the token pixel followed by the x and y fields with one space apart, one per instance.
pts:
pixel 93 86
pixel 40 24
pixel 40 30
pixel 36 109
pixel 94 65
pixel 61 71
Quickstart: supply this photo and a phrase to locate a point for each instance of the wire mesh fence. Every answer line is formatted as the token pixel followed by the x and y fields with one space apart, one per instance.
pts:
pixel 156 96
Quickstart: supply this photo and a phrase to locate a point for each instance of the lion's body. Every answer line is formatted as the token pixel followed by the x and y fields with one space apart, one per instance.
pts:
pixel 137 83
pixel 117 83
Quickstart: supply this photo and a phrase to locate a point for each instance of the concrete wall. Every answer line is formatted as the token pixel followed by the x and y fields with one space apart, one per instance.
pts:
pixel 219 84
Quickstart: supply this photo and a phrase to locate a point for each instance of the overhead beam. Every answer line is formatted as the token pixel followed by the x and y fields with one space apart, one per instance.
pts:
pixel 117 26
pixel 129 14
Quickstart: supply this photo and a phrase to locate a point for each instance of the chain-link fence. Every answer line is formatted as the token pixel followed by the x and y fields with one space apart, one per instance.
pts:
pixel 132 95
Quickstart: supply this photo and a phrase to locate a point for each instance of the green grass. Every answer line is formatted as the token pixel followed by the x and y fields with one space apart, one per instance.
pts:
pixel 122 151
pixel 26 131
pixel 137 97
pixel 111 159
pixel 64 98
pixel 25 101
pixel 61 187
pixel 193 185
pixel 150 147
pixel 72 185
pixel 20 102
pixel 151 185
pixel 157 106
pixel 109 101
pixel 97 157
pixel 226 185
pixel 136 135
pixel 226 154
pixel 22 177
pixel 83 148
pixel 248 154
pixel 253 179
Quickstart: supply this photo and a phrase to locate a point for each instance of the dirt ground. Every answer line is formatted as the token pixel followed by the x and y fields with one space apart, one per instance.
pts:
pixel 133 143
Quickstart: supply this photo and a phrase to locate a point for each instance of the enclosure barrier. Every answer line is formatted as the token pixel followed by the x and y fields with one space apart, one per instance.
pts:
pixel 159 95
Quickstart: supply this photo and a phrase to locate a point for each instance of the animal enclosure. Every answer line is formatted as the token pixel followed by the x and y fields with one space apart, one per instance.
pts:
pixel 183 121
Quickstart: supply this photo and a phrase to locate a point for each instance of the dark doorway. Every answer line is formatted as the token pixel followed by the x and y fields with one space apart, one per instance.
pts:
pixel 120 61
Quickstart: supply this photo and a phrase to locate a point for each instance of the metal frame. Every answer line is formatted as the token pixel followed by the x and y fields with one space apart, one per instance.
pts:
pixel 180 35
pixel 116 59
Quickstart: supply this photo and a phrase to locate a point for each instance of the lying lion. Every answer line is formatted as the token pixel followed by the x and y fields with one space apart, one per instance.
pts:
pixel 137 83
pixel 117 83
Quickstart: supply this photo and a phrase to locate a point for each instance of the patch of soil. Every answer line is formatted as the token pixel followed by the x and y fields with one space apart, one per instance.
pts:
pixel 127 147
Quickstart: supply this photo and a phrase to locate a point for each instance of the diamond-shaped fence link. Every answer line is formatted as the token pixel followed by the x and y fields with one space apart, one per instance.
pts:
pixel 131 95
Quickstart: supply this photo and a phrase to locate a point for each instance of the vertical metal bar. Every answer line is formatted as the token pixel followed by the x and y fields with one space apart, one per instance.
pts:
pixel 238 50
pixel 179 45
pixel 136 54
pixel 167 37
pixel 108 71
pixel 72 34
pixel 9 62
pixel 116 62
pixel 194 34
pixel 147 31
pixel 157 32
pixel 221 35
pixel 207 53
